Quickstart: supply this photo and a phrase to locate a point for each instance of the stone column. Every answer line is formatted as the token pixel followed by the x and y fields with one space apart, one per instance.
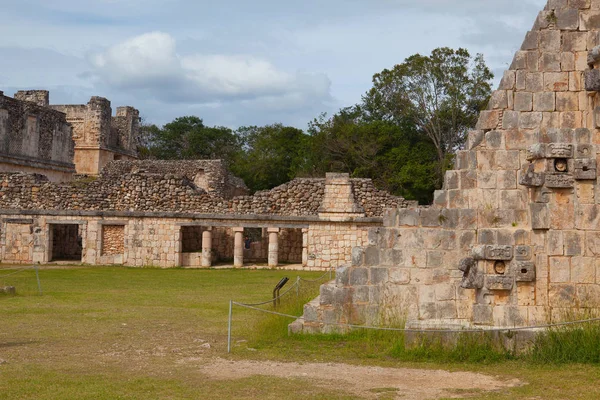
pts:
pixel 273 246
pixel 238 249
pixel 207 248
pixel 304 247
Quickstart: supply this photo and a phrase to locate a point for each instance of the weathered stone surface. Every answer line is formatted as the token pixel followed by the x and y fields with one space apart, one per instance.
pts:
pixel 498 282
pixel 560 181
pixel 559 150
pixel 592 80
pixel 9 290
pixel 536 151
pixel 525 272
pixel 530 178
pixel 540 216
pixel 472 279
pixel 523 253
pixel 585 169
pixel 504 253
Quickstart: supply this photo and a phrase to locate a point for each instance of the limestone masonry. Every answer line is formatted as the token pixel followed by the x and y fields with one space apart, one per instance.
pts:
pixel 513 239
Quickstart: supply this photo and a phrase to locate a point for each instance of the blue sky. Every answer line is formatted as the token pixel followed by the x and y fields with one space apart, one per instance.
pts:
pixel 236 62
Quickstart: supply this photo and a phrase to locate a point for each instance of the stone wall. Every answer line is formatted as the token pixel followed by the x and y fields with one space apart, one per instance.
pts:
pixel 511 239
pixel 209 175
pixel 16 242
pixel 34 138
pixel 330 245
pixel 155 192
pixel 113 240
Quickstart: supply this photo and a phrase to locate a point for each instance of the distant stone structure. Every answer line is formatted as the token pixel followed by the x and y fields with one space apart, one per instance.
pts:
pixel 142 213
pixel 99 136
pixel 34 138
pixel 513 239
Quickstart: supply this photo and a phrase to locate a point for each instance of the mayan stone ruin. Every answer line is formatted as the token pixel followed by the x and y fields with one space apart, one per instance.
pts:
pixel 513 239
pixel 90 201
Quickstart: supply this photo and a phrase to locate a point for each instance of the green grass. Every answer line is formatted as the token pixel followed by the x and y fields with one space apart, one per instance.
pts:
pixel 109 332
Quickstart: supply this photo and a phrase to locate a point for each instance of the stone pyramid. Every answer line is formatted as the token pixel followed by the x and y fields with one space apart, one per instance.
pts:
pixel 513 239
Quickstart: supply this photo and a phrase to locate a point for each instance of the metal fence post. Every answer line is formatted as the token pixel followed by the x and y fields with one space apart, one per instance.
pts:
pixel 229 328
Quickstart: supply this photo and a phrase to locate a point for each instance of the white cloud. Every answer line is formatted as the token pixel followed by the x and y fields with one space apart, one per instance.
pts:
pixel 150 64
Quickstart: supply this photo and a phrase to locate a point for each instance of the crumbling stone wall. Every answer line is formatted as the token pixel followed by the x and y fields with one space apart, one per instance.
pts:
pixel 216 179
pixel 511 238
pixel 34 138
pixel 290 245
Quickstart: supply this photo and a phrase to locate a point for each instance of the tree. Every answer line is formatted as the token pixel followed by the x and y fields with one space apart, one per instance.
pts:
pixel 441 94
pixel 270 155
pixel 395 156
pixel 188 138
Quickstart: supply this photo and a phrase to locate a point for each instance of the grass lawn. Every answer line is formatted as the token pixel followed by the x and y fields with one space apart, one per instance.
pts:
pixel 125 333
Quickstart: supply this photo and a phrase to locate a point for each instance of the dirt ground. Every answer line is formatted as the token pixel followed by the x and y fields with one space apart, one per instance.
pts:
pixel 366 382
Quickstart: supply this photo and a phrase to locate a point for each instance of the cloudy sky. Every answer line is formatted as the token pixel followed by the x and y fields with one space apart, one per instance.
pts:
pixel 239 62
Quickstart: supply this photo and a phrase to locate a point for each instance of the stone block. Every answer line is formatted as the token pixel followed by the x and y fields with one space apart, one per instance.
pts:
pixel 570 119
pixel 525 272
pixel 573 242
pixel 359 276
pixel 559 150
pixel 342 276
pixel 390 217
pixel 584 151
pixel 567 19
pixel 486 179
pixel 498 100
pixel 556 81
pixel 499 282
pixel 560 181
pixel 560 269
pixel 358 256
pixel 431 217
pixel 372 255
pixel 451 180
pixel 360 294
pixel 326 294
pixel 507 180
pixel 379 276
pixel 531 41
pixel 502 253
pixel 544 101
pixel 483 314
pixel 475 138
pixel 567 101
pixel 523 253
pixel 592 80
pixel 467 219
pixel 548 41
pixel 550 62
pixel 488 120
pixel 585 169
pixel 523 101
pixel 440 199
pixel 574 41
pixel 583 270
pixel 399 276
pixel 508 80
pixel 510 120
pixel 407 217
pixel 494 140
pixel 540 216
pixel 530 120
pixel 534 82
pixel 529 178
pixel 589 20
pixel 536 151
pixel 567 63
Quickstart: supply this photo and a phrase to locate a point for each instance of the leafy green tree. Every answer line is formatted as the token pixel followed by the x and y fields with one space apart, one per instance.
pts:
pixel 271 155
pixel 187 138
pixel 395 156
pixel 441 94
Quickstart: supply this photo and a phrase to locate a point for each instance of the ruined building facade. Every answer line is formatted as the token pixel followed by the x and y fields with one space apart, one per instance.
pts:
pixel 35 138
pixel 513 239
pixel 60 140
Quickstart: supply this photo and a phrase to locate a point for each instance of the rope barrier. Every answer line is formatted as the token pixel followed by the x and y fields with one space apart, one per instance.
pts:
pixel 16 272
pixel 318 279
pixel 522 328
pixel 273 299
